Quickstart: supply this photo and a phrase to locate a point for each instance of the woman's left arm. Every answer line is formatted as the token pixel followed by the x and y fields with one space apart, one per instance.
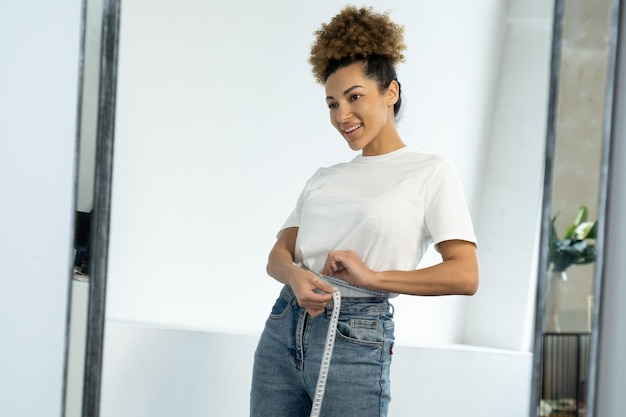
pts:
pixel 457 274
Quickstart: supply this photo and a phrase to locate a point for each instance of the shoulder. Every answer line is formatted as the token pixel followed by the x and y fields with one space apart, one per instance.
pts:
pixel 416 155
pixel 430 164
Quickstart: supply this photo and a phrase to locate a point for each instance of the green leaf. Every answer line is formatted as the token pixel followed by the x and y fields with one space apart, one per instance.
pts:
pixel 593 232
pixel 582 215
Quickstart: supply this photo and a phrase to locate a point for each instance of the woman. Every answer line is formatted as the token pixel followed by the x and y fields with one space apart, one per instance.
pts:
pixel 365 224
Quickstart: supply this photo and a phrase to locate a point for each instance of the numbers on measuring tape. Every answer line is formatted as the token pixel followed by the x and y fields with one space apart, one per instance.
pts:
pixel 320 388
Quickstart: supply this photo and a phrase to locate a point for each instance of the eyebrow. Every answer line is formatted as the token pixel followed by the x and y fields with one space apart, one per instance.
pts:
pixel 345 92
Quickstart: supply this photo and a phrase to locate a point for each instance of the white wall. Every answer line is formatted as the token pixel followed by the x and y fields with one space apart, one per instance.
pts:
pixel 501 315
pixel 219 124
pixel 39 45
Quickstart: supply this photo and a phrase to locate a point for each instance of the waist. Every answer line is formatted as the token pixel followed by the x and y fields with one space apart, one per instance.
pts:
pixel 352 291
pixel 362 307
pixel 348 290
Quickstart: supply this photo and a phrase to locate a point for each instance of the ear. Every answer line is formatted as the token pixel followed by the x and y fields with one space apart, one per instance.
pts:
pixel 393 93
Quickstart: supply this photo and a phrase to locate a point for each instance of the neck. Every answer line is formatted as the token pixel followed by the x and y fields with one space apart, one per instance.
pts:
pixel 391 142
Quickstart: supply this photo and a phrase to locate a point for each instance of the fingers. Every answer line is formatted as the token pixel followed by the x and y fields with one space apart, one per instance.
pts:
pixel 348 266
pixel 315 303
pixel 313 294
pixel 325 287
pixel 334 263
pixel 315 299
pixel 340 262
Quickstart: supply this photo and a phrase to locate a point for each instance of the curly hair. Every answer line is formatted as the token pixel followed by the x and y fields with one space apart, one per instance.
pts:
pixel 355 34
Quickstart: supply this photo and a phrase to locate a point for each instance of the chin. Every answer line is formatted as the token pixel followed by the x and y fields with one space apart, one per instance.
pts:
pixel 355 146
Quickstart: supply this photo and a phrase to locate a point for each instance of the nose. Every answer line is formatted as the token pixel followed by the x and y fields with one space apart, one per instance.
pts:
pixel 343 114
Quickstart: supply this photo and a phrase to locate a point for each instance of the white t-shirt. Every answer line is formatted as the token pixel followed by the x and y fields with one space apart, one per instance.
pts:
pixel 387 209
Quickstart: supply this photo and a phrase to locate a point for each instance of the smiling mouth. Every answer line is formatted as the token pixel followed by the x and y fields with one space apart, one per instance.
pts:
pixel 352 129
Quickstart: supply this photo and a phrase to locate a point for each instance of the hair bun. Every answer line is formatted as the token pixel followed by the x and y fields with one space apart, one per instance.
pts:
pixel 353 33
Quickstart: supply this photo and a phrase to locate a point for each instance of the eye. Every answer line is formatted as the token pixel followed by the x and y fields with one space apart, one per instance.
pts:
pixel 332 106
pixel 355 97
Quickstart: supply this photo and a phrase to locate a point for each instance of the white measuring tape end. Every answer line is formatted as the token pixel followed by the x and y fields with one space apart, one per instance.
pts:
pixel 328 352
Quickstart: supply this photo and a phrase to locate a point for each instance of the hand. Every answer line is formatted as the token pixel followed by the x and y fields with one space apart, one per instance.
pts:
pixel 313 293
pixel 349 267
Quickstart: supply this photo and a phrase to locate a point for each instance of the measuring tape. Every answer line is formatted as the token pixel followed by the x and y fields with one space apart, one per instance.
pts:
pixel 330 335
pixel 327 354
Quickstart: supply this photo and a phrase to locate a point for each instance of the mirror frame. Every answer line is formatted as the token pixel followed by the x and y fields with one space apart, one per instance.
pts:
pixel 100 221
pixel 546 213
pixel 103 186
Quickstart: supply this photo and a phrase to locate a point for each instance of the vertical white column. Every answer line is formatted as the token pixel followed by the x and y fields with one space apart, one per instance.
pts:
pixel 39 44
pixel 610 399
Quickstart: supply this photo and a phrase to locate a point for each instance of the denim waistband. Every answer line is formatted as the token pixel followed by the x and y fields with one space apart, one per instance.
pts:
pixel 349 305
pixel 366 306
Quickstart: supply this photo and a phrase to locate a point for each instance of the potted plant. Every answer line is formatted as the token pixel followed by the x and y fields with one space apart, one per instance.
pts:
pixel 576 247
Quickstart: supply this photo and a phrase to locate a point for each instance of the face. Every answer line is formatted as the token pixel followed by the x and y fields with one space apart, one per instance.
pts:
pixel 360 113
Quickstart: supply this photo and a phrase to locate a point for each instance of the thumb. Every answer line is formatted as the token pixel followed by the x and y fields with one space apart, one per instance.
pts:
pixel 326 287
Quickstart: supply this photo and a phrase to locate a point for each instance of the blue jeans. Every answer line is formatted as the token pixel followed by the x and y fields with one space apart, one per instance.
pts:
pixel 288 357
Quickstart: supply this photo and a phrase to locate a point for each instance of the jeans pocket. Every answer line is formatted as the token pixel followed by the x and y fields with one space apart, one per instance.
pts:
pixel 282 305
pixel 363 331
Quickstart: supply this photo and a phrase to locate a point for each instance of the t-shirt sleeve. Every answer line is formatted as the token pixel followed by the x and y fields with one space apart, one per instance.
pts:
pixel 294 218
pixel 447 215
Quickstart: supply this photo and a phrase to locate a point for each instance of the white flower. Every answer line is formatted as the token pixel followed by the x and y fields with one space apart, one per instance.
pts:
pixel 582 230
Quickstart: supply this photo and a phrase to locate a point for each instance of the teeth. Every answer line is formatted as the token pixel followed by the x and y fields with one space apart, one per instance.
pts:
pixel 352 128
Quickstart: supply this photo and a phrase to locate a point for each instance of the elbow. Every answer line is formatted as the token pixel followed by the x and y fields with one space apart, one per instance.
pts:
pixel 472 288
pixel 273 266
pixel 471 283
pixel 471 278
pixel 268 267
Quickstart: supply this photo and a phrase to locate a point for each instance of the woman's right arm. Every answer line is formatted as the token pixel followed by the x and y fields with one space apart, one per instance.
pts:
pixel 312 293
